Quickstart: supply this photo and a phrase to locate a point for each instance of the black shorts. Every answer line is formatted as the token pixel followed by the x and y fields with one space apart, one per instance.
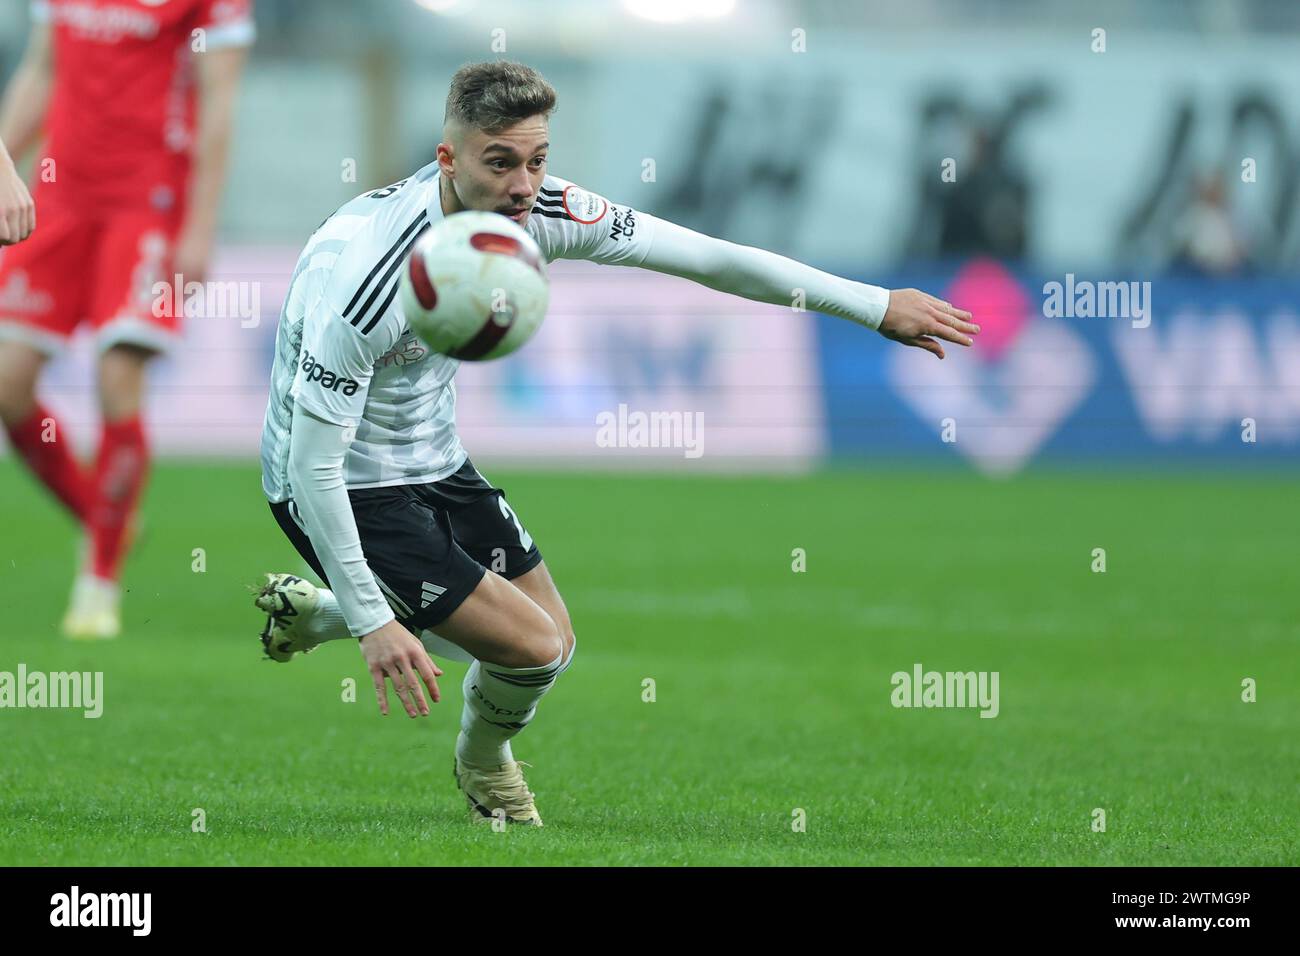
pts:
pixel 428 546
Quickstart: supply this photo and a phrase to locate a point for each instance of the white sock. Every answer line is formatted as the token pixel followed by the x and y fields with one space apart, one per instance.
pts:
pixel 326 623
pixel 500 702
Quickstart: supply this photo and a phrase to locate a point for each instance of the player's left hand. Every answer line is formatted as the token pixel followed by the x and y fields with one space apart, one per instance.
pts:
pixel 193 250
pixel 393 652
pixel 920 320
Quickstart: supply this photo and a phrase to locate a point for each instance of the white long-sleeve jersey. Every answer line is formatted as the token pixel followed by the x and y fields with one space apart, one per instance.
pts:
pixel 374 406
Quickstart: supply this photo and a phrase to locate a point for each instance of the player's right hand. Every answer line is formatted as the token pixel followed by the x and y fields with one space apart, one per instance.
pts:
pixel 17 211
pixel 917 319
pixel 395 653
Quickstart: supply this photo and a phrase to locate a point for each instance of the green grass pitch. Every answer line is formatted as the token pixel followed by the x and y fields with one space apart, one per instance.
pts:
pixel 1119 690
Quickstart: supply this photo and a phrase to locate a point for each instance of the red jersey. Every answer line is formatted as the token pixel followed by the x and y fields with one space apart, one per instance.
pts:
pixel 120 122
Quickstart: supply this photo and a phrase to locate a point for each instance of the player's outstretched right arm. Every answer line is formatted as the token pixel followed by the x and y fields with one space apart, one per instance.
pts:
pixel 316 452
pixel 909 316
pixel 577 224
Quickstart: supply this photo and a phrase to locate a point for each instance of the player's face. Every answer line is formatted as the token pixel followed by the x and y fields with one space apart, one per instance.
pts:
pixel 502 171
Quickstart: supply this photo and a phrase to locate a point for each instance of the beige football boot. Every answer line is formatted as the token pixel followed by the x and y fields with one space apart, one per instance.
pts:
pixel 287 600
pixel 497 792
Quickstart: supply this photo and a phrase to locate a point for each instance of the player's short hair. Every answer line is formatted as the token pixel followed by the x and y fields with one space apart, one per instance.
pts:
pixel 499 93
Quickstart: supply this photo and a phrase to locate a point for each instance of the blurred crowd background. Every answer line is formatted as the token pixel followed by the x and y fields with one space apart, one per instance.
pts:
pixel 983 146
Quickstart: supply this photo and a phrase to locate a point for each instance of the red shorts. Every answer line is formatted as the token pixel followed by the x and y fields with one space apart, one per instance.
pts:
pixel 83 265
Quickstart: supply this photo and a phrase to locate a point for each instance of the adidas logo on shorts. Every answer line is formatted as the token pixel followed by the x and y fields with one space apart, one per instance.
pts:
pixel 429 593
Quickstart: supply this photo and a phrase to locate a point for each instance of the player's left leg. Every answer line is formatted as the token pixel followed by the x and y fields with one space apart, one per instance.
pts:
pixel 134 255
pixel 122 463
pixel 116 481
pixel 486 526
pixel 484 756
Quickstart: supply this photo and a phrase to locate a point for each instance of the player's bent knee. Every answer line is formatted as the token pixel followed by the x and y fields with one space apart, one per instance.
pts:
pixel 544 647
pixel 564 626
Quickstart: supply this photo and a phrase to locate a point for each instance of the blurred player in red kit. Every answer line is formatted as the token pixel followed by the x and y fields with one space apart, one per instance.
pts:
pixel 135 98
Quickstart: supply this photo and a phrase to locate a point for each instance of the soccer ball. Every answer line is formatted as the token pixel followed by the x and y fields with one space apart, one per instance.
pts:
pixel 475 286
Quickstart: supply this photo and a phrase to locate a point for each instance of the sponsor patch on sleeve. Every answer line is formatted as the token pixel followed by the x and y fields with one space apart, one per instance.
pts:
pixel 584 207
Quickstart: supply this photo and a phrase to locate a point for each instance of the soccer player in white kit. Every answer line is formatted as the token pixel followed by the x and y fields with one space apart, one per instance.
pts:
pixel 360 458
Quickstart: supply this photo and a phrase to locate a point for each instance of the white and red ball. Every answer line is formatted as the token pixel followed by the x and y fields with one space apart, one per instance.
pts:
pixel 475 286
